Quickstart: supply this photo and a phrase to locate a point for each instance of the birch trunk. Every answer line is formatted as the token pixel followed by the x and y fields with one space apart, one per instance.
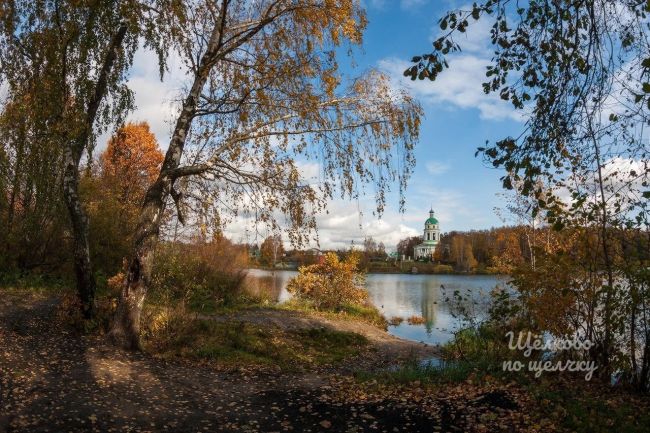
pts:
pixel 79 223
pixel 73 150
pixel 125 330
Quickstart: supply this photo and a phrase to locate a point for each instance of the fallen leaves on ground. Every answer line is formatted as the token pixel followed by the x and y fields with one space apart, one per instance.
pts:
pixel 53 379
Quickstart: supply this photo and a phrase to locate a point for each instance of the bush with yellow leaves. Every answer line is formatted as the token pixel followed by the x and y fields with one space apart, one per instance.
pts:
pixel 331 284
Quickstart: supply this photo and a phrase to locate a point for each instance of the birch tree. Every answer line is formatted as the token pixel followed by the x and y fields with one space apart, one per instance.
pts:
pixel 264 97
pixel 68 61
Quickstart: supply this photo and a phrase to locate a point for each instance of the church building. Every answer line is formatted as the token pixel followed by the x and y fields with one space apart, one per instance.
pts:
pixel 430 238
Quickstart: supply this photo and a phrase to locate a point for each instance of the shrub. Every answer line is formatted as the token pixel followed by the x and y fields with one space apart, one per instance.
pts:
pixel 202 276
pixel 331 284
pixel 416 320
pixel 443 269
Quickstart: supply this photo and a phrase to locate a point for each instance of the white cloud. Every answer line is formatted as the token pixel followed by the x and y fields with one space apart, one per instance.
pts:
pixel 156 101
pixel 309 171
pixel 435 168
pixel 348 222
pixel 623 180
pixel 459 87
pixel 345 225
pixel 625 176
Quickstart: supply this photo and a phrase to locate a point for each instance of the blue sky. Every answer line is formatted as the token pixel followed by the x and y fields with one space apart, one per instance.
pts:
pixel 459 118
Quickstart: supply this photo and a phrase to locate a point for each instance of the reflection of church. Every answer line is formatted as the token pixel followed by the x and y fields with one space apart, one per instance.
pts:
pixel 430 238
pixel 429 306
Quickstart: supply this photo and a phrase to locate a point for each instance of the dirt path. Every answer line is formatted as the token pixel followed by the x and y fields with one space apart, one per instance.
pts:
pixel 54 380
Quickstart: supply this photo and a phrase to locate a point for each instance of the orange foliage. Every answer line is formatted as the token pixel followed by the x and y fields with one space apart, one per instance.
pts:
pixel 330 284
pixel 131 162
pixel 113 197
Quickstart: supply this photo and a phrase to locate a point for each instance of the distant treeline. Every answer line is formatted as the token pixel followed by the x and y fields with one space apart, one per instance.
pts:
pixel 504 249
pixel 497 250
pixel 494 250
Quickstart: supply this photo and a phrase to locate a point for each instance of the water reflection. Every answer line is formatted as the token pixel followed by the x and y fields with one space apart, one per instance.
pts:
pixel 268 284
pixel 425 295
pixel 402 295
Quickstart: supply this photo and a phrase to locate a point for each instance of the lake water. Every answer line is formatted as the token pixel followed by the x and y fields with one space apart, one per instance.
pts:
pixel 404 295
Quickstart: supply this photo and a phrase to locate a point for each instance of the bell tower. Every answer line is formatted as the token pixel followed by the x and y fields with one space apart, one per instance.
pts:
pixel 430 238
pixel 431 229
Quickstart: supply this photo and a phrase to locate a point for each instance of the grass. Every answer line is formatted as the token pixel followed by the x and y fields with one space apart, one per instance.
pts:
pixel 367 314
pixel 206 301
pixel 471 354
pixel 184 331
pixel 210 306
pixel 566 401
pixel 33 284
pixel 412 371
pixel 241 343
pixel 594 408
pixel 364 313
pixel 571 404
pixel 174 333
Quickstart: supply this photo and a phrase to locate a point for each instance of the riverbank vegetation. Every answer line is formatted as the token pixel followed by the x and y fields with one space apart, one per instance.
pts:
pixel 231 344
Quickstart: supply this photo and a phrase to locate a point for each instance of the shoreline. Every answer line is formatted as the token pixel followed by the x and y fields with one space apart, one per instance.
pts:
pixel 392 272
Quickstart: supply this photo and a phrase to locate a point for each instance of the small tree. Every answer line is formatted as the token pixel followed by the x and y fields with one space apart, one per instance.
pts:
pixel 271 250
pixel 331 284
pixel 381 250
pixel 406 246
pixel 113 196
pixel 369 246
